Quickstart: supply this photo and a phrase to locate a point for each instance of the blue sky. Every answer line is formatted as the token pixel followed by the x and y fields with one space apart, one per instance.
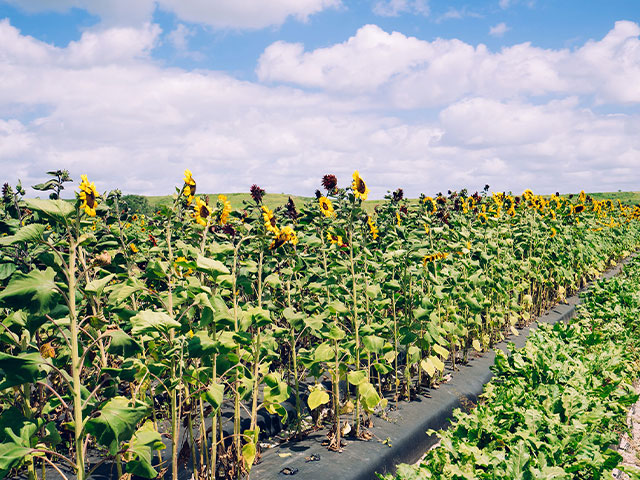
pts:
pixel 424 95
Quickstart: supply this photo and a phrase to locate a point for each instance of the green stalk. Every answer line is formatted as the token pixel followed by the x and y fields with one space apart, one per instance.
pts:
pixel 75 361
pixel 356 325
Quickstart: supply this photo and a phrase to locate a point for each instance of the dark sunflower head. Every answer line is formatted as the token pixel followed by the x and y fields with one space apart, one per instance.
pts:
pixel 257 194
pixel 329 182
pixel 290 210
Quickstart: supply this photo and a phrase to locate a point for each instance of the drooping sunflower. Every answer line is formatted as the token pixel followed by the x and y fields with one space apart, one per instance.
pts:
pixel 201 212
pixel 373 229
pixel 326 206
pixel 88 195
pixel 431 204
pixel 180 270
pixel 358 186
pixel 553 232
pixel 189 189
pixel 226 209
pixel 270 221
pixel 133 247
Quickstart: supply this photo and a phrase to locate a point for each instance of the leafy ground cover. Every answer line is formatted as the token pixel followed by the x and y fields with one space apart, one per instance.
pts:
pixel 557 406
pixel 120 330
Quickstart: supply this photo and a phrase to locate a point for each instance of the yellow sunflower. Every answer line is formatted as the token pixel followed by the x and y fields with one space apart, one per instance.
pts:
pixel 201 212
pixel 88 195
pixel 553 232
pixel 358 186
pixel 333 238
pixel 189 189
pixel 326 206
pixel 287 234
pixel 226 209
pixel 133 247
pixel 179 269
pixel 373 229
pixel 270 221
pixel 577 208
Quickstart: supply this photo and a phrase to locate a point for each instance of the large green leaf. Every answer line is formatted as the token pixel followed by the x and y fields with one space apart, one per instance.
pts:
pixel 97 286
pixel 116 423
pixel 122 344
pixel 21 369
pixel 58 210
pixel 34 290
pixel 144 441
pixel 316 398
pixel 211 266
pixel 27 233
pixel 152 322
pixel 10 456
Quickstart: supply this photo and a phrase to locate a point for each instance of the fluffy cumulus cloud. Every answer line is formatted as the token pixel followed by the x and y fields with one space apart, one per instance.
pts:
pixel 425 116
pixel 414 73
pixel 499 30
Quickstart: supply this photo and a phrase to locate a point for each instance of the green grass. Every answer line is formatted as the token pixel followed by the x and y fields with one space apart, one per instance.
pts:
pixel 274 200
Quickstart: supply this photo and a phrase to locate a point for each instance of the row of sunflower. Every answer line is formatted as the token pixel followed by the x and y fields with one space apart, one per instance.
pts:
pixel 125 334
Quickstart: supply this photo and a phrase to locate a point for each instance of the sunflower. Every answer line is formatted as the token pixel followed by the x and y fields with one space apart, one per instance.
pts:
pixel 433 257
pixel 133 247
pixel 373 229
pixel 326 206
pixel 287 234
pixel 582 197
pixel 577 208
pixel 201 212
pixel 358 186
pixel 88 195
pixel 189 189
pixel 337 239
pixel 180 270
pixel 270 221
pixel 483 217
pixel 431 203
pixel 226 209
pixel 553 232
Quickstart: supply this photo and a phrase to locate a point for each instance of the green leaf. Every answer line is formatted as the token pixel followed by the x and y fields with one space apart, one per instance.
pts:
pixel 214 395
pixel 201 345
pixel 373 343
pixel 35 290
pixel 248 455
pixel 144 441
pixel 336 333
pixel 21 369
pixel 27 233
pixel 316 398
pixel 116 423
pixel 323 353
pixel 357 377
pixel 11 455
pixel 437 362
pixel 122 344
pixel 211 266
pixel 369 396
pixel 58 210
pixel 152 322
pixel 476 345
pixel 97 286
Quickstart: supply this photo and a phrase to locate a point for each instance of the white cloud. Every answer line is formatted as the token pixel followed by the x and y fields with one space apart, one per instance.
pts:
pixel 179 37
pixel 393 8
pixel 412 73
pixel 250 14
pixel 520 118
pixel 499 30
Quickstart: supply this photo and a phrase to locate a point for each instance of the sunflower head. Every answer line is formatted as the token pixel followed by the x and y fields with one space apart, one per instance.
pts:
pixel 270 221
pixel 189 189
pixel 337 239
pixel 201 212
pixel 430 204
pixel 577 208
pixel 256 193
pixel 373 229
pixel 286 234
pixel 326 207
pixel 358 186
pixel 226 209
pixel 88 195
pixel 329 182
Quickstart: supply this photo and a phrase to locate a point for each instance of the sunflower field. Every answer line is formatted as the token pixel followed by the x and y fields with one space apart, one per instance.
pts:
pixel 147 342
